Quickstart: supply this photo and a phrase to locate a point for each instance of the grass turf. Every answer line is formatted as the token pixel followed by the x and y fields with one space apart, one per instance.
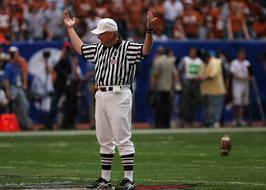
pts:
pixel 161 159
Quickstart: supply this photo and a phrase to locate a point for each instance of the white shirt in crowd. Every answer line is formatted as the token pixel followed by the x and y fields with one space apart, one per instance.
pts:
pixel 239 68
pixel 191 67
pixel 172 10
pixel 240 88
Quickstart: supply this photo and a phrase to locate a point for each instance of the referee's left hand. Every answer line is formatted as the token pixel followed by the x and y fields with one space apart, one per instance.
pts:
pixel 69 22
pixel 150 20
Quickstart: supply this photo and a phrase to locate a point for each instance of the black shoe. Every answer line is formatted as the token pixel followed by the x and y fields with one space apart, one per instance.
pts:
pixel 126 184
pixel 100 183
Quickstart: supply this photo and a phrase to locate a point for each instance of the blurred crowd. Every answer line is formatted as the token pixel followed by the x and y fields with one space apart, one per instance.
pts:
pixel 53 93
pixel 200 82
pixel 205 82
pixel 32 20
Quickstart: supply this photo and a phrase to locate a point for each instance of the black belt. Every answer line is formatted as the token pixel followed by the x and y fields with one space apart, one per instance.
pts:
pixel 105 89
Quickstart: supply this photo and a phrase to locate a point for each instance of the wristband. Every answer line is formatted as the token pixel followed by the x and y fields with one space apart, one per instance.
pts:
pixel 150 30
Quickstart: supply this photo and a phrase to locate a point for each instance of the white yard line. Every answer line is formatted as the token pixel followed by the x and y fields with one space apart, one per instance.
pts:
pixel 137 131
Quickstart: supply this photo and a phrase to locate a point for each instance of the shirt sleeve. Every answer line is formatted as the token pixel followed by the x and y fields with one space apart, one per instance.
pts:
pixel 88 52
pixel 233 68
pixel 134 53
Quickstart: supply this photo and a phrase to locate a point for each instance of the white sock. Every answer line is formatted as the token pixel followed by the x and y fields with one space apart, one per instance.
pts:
pixel 128 175
pixel 106 174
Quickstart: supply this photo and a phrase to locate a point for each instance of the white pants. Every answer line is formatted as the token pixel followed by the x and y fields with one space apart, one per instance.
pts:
pixel 113 121
pixel 241 95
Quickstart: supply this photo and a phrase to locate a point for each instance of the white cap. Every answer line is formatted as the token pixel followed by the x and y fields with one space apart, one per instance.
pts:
pixel 13 49
pixel 105 25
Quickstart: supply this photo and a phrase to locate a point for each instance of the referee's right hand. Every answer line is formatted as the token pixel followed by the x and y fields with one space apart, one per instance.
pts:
pixel 69 22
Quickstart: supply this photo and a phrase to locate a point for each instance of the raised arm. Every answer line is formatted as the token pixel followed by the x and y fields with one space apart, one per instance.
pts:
pixel 74 38
pixel 149 30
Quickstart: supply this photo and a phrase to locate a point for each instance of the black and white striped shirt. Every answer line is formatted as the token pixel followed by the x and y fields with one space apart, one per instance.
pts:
pixel 115 65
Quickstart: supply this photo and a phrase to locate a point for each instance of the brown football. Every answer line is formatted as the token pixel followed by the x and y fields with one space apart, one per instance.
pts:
pixel 225 145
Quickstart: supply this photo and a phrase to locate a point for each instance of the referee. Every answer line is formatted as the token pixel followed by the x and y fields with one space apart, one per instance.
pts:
pixel 115 66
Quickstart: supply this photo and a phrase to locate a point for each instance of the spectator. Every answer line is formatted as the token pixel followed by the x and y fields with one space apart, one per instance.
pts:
pixel 135 9
pixel 53 23
pixel 189 68
pixel 118 12
pixel 178 30
pixel 236 23
pixel 72 92
pixel 65 85
pixel 172 10
pixel 212 90
pixel 240 86
pixel 162 81
pixel 227 76
pixel 216 23
pixel 102 8
pixel 24 20
pixel 191 20
pixel 16 11
pixel 91 22
pixel 175 116
pixel 82 7
pixel 35 22
pixel 259 27
pixel 3 83
pixel 157 8
pixel 203 9
pixel 159 35
pixel 91 88
pixel 3 59
pixel 18 84
pixel 5 22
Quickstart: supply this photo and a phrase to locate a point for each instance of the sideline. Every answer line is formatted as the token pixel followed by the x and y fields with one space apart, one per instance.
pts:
pixel 137 131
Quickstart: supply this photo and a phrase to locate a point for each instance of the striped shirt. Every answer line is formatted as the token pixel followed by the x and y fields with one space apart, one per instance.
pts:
pixel 115 65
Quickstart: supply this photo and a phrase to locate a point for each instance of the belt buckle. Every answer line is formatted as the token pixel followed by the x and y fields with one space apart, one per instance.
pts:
pixel 117 89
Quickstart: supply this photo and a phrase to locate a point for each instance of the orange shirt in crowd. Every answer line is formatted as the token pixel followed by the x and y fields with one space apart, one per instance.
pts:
pixel 215 24
pixel 16 9
pixel 134 10
pixel 260 29
pixel 191 21
pixel 178 31
pixel 236 22
pixel 82 7
pixel 117 9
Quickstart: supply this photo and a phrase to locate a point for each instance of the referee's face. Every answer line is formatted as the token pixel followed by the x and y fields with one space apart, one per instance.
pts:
pixel 107 38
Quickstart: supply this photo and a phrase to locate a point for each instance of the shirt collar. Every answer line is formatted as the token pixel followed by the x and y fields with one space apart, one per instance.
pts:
pixel 117 44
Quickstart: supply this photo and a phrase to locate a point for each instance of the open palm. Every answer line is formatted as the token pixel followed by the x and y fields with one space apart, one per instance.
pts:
pixel 69 22
pixel 150 19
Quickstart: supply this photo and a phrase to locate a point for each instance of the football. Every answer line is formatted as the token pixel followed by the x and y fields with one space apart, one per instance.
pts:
pixel 225 145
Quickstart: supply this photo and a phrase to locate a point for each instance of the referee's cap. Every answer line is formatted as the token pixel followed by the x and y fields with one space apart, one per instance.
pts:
pixel 105 25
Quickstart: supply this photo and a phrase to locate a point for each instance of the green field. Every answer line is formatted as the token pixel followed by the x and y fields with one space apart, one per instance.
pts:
pixel 162 158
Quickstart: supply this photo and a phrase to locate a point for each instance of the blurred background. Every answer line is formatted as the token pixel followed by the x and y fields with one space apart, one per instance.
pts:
pixel 47 86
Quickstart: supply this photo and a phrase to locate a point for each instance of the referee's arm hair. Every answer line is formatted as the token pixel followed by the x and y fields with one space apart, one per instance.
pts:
pixel 74 38
pixel 148 38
